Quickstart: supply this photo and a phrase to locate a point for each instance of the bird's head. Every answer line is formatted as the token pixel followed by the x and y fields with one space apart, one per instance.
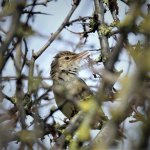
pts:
pixel 67 61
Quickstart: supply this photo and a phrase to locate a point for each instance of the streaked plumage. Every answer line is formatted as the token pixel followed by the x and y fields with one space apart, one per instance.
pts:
pixel 68 88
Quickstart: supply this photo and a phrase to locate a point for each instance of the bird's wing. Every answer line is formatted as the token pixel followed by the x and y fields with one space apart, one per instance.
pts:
pixel 84 90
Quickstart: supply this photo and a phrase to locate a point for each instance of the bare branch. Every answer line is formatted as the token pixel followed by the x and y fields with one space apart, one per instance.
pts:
pixel 99 11
pixel 55 35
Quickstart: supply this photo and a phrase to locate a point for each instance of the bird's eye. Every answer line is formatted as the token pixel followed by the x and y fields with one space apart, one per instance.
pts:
pixel 67 58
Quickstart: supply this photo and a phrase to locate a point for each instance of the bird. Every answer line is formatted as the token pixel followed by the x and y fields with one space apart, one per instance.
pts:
pixel 68 87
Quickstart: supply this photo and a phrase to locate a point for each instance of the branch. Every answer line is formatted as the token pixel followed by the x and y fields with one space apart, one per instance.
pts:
pixel 31 73
pixel 11 33
pixel 70 129
pixel 20 102
pixel 114 9
pixel 55 35
pixel 25 55
pixel 3 95
pixel 102 139
pixel 99 11
pixel 34 13
pixel 79 19
pixel 115 53
pixel 125 1
pixel 106 135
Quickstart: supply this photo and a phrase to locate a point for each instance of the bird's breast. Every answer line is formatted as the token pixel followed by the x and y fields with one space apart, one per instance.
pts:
pixel 70 85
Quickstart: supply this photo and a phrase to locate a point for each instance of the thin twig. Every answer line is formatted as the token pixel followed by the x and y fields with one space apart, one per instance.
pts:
pixel 25 55
pixel 55 35
pixel 7 78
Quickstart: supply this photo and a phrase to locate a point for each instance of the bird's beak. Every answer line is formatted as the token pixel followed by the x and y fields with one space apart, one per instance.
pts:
pixel 83 55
